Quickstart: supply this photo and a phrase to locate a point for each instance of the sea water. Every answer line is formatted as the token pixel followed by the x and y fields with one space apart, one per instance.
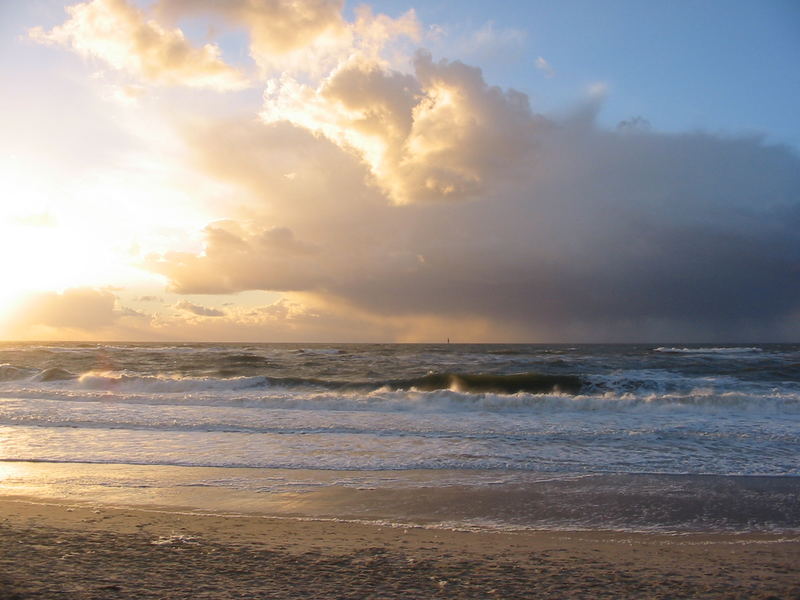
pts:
pixel 557 425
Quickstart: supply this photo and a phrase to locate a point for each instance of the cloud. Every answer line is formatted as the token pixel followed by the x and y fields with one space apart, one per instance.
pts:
pixel 308 318
pixel 302 35
pixel 124 311
pixel 78 308
pixel 597 89
pixel 242 256
pixel 119 34
pixel 490 42
pixel 439 134
pixel 197 309
pixel 128 95
pixel 634 124
pixel 412 200
pixel 545 67
pixel 609 235
pixel 290 31
pixel 75 313
pixel 282 310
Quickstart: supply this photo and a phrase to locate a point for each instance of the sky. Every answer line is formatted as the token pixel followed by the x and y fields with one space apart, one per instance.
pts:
pixel 318 170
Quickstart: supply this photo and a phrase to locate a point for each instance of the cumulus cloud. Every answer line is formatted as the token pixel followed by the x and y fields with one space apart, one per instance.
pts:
pixel 119 34
pixel 439 133
pixel 80 308
pixel 74 313
pixel 198 309
pixel 302 35
pixel 240 255
pixel 282 310
pixel 291 31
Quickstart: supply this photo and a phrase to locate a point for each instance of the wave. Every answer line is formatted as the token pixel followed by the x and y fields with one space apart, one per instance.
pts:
pixel 472 383
pixel 245 359
pixel 319 351
pixel 164 384
pixel 621 389
pixel 533 383
pixel 658 381
pixel 697 401
pixel 738 350
pixel 12 373
pixel 54 374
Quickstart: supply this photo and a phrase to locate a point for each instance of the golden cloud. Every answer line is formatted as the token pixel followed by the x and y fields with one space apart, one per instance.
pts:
pixel 301 35
pixel 120 35
pixel 441 133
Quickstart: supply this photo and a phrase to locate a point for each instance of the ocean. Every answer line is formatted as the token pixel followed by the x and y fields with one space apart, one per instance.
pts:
pixel 635 437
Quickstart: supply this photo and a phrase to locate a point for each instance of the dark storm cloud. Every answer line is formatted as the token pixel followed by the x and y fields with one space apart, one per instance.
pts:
pixel 610 235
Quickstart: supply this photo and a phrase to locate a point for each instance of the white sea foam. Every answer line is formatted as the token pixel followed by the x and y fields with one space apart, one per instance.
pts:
pixel 737 351
pixel 706 395
pixel 164 384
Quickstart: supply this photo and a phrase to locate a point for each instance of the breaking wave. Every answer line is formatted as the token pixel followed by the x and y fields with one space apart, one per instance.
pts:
pixel 534 383
pixel 737 351
pixel 12 373
pixel 245 393
pixel 164 384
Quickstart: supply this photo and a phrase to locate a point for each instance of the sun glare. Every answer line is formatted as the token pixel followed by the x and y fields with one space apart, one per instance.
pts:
pixel 85 230
pixel 38 257
pixel 47 244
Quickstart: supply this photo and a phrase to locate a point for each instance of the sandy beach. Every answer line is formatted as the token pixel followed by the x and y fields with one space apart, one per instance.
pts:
pixel 52 549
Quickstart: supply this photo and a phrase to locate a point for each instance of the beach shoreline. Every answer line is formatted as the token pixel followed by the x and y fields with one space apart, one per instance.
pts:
pixel 264 471
pixel 436 499
pixel 66 549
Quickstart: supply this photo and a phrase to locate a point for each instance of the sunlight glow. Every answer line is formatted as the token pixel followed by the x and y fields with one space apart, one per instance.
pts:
pixel 90 231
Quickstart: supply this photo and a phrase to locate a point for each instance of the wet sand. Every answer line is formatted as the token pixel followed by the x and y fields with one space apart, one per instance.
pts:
pixel 63 549
pixel 482 499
